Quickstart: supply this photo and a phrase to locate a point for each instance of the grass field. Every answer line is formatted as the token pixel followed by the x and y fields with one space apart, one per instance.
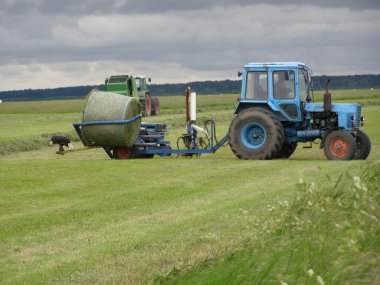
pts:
pixel 83 218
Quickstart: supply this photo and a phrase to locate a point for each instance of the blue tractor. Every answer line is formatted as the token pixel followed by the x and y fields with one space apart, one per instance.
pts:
pixel 276 111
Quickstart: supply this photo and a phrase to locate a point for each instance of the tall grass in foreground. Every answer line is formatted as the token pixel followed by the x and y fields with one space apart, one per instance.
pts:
pixel 327 236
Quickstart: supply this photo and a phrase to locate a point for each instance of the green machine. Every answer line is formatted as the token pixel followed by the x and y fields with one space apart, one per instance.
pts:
pixel 134 86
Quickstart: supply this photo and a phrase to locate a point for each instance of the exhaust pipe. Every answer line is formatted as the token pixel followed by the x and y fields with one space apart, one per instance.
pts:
pixel 327 98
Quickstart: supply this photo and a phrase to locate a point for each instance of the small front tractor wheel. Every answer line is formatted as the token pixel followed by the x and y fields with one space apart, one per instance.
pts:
pixel 363 145
pixel 339 145
pixel 256 133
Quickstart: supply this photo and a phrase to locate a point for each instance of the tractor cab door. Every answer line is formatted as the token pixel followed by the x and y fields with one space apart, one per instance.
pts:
pixel 140 93
pixel 131 86
pixel 143 85
pixel 283 92
pixel 303 81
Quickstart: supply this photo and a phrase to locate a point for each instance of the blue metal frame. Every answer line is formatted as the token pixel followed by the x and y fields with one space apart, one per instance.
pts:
pixel 112 122
pixel 212 149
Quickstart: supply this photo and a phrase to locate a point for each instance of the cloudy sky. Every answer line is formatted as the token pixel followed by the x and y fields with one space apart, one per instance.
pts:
pixel 54 43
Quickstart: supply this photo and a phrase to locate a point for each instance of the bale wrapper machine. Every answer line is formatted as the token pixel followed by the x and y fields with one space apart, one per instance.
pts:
pixel 150 138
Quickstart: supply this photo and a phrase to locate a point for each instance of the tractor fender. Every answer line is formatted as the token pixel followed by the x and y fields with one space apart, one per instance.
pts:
pixel 245 105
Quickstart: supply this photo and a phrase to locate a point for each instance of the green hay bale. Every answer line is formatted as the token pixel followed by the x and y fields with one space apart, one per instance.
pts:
pixel 105 106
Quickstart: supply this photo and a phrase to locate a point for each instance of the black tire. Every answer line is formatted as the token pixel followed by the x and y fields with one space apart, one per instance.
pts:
pixel 363 145
pixel 255 133
pixel 287 150
pixel 124 152
pixel 155 106
pixel 339 145
pixel 146 105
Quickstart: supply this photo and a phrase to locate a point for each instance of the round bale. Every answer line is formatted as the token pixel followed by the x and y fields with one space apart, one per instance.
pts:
pixel 106 106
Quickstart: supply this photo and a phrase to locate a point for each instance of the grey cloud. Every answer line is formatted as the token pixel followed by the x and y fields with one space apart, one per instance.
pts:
pixel 83 7
pixel 144 6
pixel 190 40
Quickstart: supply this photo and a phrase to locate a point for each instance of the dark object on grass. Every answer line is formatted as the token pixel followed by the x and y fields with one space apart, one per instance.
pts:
pixel 61 141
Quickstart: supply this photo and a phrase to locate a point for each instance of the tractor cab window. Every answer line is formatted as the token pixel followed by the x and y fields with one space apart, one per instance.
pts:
pixel 143 84
pixel 303 86
pixel 138 84
pixel 283 84
pixel 257 85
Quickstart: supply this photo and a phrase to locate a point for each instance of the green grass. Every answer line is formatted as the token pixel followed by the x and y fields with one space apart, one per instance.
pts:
pixel 329 235
pixel 83 218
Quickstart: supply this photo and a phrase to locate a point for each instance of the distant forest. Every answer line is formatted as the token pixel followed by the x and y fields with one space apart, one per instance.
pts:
pixel 201 87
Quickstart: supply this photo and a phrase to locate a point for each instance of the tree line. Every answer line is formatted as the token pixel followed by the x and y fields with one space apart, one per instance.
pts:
pixel 201 87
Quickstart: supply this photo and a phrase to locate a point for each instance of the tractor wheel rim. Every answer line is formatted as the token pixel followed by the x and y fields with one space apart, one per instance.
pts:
pixel 124 152
pixel 253 135
pixel 147 106
pixel 339 147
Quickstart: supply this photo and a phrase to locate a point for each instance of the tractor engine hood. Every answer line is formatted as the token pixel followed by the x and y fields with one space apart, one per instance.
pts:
pixel 349 114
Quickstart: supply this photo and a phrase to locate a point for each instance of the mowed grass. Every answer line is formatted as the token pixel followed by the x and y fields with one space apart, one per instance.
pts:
pixel 83 218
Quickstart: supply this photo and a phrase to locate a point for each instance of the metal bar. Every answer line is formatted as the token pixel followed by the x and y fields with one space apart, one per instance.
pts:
pixel 192 151
pixel 112 122
pixel 175 151
pixel 107 149
pixel 79 130
pixel 148 125
pixel 220 143
pixel 151 136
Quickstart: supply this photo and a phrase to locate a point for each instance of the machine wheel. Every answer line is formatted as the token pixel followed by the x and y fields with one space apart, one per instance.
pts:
pixel 147 106
pixel 155 106
pixel 287 150
pixel 363 145
pixel 256 133
pixel 123 152
pixel 339 145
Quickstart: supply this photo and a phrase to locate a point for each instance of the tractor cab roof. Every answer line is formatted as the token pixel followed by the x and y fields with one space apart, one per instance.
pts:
pixel 123 78
pixel 275 64
pixel 118 79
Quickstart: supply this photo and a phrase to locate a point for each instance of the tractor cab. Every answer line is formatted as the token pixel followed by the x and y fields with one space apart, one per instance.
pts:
pixel 282 86
pixel 130 85
pixel 134 86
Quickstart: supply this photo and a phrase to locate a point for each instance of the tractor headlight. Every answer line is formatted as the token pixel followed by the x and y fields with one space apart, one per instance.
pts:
pixel 356 121
pixel 362 121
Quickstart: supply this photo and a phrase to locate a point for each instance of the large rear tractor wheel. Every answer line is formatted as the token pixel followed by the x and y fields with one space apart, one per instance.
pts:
pixel 147 106
pixel 256 133
pixel 155 106
pixel 287 150
pixel 363 145
pixel 339 145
